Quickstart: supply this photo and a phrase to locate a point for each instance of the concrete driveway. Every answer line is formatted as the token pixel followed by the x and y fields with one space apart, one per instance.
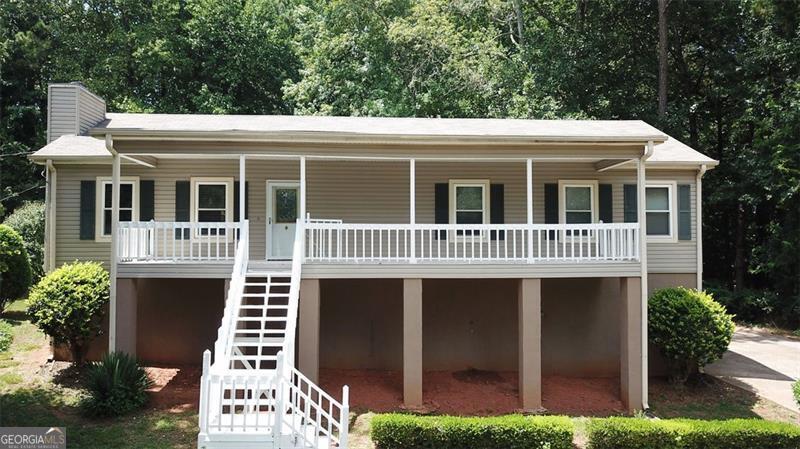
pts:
pixel 764 363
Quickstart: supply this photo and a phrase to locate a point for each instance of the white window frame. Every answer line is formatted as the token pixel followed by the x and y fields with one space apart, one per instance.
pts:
pixel 100 197
pixel 194 201
pixel 672 188
pixel 562 197
pixel 454 183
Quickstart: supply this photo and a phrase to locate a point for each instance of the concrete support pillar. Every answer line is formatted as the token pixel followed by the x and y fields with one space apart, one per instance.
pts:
pixel 529 299
pixel 631 343
pixel 127 304
pixel 412 342
pixel 308 356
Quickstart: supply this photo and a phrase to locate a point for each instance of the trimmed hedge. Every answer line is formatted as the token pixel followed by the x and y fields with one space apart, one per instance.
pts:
pixel 637 433
pixel 399 431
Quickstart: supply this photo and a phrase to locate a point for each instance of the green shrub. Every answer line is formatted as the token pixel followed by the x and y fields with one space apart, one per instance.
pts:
pixel 796 391
pixel 15 268
pixel 398 431
pixel 117 385
pixel 67 305
pixel 636 433
pixel 28 220
pixel 690 328
pixel 6 335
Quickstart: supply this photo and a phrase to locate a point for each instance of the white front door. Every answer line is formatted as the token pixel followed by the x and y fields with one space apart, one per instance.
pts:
pixel 282 202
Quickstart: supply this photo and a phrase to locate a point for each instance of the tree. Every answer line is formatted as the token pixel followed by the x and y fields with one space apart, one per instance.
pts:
pixel 15 268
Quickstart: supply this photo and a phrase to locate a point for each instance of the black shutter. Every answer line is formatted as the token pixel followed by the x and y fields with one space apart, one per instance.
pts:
pixel 497 209
pixel 146 200
pixel 551 206
pixel 441 200
pixel 182 208
pixel 606 203
pixel 88 192
pixel 684 212
pixel 236 200
pixel 629 194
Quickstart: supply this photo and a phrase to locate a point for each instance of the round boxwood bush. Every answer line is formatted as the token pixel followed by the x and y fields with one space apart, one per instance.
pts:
pixel 68 304
pixel 28 220
pixel 690 328
pixel 15 268
pixel 6 336
pixel 117 385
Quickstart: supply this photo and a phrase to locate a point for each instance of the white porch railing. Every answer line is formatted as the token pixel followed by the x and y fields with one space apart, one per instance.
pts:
pixel 493 243
pixel 153 241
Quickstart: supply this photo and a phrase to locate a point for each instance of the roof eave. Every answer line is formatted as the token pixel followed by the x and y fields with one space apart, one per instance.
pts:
pixel 323 137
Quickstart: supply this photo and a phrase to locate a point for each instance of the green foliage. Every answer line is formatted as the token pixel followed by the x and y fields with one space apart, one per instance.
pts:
pixel 28 220
pixel 15 268
pixel 732 72
pixel 796 391
pixel 636 433
pixel 6 335
pixel 399 431
pixel 68 303
pixel 689 327
pixel 117 386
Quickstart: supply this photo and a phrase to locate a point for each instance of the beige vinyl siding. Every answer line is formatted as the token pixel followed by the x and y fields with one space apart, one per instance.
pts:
pixel 361 192
pixel 72 110
pixel 62 112
pixel 91 110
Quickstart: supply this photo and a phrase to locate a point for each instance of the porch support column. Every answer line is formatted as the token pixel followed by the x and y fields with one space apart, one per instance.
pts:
pixel 699 224
pixel 641 183
pixel 112 307
pixel 127 305
pixel 303 188
pixel 631 349
pixel 529 300
pixel 308 358
pixel 529 165
pixel 242 191
pixel 412 206
pixel 412 342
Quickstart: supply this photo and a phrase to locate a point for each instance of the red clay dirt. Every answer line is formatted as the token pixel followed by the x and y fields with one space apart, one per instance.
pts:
pixel 474 392
pixel 175 388
pixel 468 392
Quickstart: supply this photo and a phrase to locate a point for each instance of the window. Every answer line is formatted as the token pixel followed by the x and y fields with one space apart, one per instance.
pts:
pixel 469 203
pixel 128 204
pixel 659 211
pixel 578 201
pixel 212 200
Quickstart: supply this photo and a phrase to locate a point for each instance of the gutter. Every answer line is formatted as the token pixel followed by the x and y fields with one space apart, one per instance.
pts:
pixel 648 151
pixel 112 294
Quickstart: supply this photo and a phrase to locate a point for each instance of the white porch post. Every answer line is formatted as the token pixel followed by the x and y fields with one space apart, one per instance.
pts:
pixel 242 191
pixel 529 164
pixel 641 192
pixel 303 188
pixel 412 213
pixel 112 309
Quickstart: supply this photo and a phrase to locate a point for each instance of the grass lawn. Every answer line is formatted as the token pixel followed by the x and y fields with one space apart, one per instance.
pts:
pixel 33 393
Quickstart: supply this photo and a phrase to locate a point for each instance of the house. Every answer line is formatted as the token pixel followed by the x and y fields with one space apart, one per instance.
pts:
pixel 407 244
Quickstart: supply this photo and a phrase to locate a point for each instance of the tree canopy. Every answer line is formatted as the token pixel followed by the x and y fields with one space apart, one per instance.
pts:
pixel 733 82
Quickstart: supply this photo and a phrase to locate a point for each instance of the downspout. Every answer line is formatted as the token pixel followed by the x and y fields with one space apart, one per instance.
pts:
pixel 699 225
pixel 50 221
pixel 112 293
pixel 648 151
